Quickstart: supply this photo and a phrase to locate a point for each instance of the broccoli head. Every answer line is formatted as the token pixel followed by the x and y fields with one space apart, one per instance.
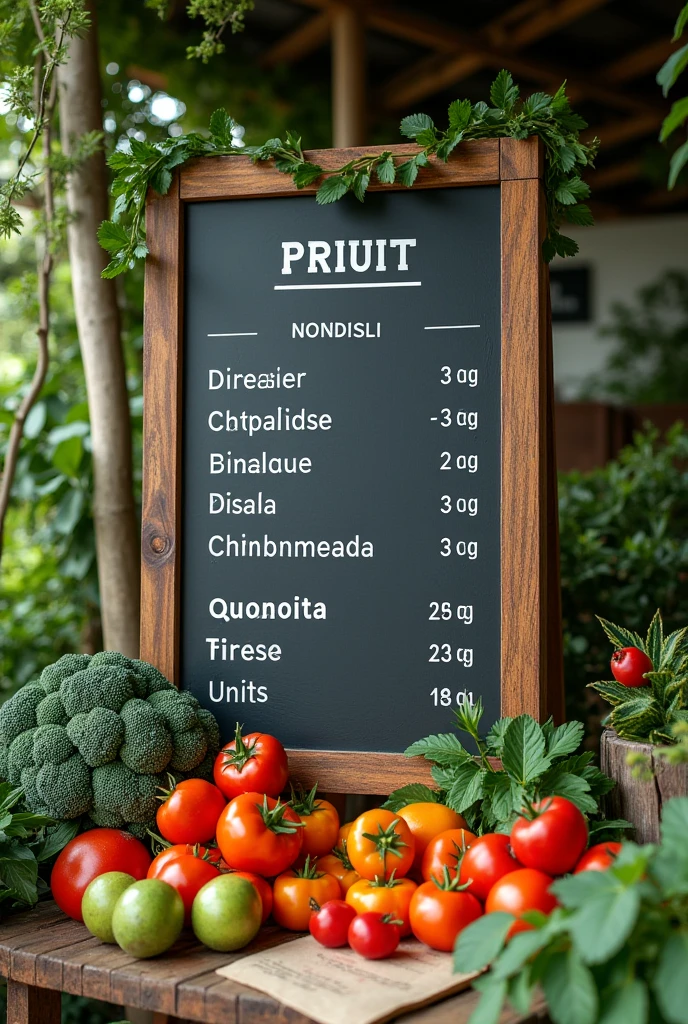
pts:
pixel 147 743
pixel 91 739
pixel 98 735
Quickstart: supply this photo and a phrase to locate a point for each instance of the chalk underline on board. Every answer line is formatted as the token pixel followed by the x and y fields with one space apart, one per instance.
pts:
pixel 351 284
pixel 451 327
pixel 236 334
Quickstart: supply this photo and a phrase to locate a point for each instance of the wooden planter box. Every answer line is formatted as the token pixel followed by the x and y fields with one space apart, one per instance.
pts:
pixel 638 801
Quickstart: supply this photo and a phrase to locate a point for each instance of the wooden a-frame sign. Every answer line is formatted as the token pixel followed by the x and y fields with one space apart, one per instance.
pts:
pixel 184 574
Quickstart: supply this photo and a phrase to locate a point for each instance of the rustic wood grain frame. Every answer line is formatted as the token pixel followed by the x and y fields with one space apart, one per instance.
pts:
pixel 530 622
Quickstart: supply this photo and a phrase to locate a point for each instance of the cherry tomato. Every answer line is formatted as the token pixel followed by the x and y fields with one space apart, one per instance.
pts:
pixel 256 763
pixel 190 812
pixel 92 854
pixel 296 892
pixel 186 874
pixel 259 834
pixel 384 897
pixel 374 936
pixel 524 889
pixel 427 820
pixel 391 848
pixel 338 864
pixel 344 832
pixel 329 925
pixel 445 850
pixel 488 859
pixel 598 857
pixel 439 911
pixel 208 853
pixel 629 665
pixel 264 891
pixel 321 823
pixel 550 837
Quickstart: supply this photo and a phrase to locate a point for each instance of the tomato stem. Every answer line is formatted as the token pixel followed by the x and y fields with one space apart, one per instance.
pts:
pixel 387 841
pixel 238 756
pixel 274 818
pixel 449 884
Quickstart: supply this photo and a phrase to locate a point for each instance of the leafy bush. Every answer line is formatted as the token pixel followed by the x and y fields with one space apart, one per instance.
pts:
pixel 624 552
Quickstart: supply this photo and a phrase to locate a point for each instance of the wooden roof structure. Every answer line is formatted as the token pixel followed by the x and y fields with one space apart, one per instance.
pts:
pixel 387 58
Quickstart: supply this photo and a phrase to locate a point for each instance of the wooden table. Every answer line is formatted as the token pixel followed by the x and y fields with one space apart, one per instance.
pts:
pixel 44 953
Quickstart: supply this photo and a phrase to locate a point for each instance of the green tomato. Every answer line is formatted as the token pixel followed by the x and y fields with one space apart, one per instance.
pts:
pixel 99 901
pixel 148 918
pixel 226 913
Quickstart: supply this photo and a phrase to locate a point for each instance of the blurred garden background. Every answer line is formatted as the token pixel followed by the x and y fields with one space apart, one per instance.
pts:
pixel 345 73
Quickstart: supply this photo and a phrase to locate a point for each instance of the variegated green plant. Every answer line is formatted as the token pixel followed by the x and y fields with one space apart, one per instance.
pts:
pixel 648 713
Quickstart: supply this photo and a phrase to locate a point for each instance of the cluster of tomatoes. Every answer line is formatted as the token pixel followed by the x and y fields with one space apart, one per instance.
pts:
pixel 367 883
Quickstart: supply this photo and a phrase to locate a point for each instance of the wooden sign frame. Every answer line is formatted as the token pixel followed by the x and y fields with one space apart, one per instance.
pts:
pixel 530 602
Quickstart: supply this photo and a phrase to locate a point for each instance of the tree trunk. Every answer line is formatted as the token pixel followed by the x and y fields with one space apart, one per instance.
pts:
pixel 98 324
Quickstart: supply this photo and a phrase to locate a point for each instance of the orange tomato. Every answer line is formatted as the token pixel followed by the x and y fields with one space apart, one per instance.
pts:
pixel 295 891
pixel 321 823
pixel 426 820
pixel 339 865
pixel 445 850
pixel 390 850
pixel 344 832
pixel 264 891
pixel 438 914
pixel 383 897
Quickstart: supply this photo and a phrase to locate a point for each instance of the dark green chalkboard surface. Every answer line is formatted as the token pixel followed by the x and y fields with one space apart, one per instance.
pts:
pixel 341 464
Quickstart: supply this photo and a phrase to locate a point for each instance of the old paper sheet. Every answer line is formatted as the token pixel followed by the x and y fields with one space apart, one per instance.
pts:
pixel 337 986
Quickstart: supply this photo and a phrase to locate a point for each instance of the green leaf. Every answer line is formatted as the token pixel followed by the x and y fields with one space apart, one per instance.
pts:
pixel 670 865
pixel 570 989
pixel 386 171
pixel 464 782
pixel 479 944
pixel 655 639
pixel 672 68
pixel 112 237
pixel 669 982
pixel 360 186
pixel 69 512
pixel 332 189
pixel 459 114
pixel 472 792
pixel 503 92
pixel 221 125
pixel 626 1004
pixel 564 739
pixel 674 119
pixel 67 456
pixel 57 839
pixel 673 647
pixel 494 740
pixel 580 214
pixel 489 1009
pixel 518 951
pixel 524 755
pixel 414 124
pixel 35 421
pixel 573 787
pixel 621 637
pixel 19 871
pixel 445 749
pixel 407 172
pixel 306 173
pixel 505 796
pixel 681 23
pixel 412 794
pixel 613 692
pixel 537 103
pixel 677 163
pixel 606 913
pixel 637 717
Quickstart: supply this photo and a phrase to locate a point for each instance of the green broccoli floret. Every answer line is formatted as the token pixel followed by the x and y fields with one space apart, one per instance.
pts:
pixel 20 755
pixel 52 676
pixel 121 796
pixel 51 745
pixel 190 747
pixel 212 730
pixel 65 789
pixel 98 735
pixel 27 782
pixel 154 680
pixel 204 770
pixel 147 746
pixel 51 711
pixel 19 712
pixel 179 708
pixel 104 687
pixel 4 760
pixel 141 829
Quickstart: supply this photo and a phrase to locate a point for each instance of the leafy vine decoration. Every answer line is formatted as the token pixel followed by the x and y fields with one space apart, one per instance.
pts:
pixel 549 117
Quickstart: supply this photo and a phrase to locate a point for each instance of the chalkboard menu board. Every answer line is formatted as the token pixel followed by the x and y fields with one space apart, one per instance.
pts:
pixel 345 473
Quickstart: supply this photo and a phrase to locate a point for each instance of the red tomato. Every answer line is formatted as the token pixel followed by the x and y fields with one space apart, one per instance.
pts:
pixel 186 874
pixel 264 891
pixel 321 823
pixel 629 664
pixel 390 850
pixel 207 853
pixel 190 812
pixel 374 936
pixel 92 854
pixel 525 889
pixel 487 859
pixel 259 834
pixel 329 925
pixel 256 763
pixel 445 850
pixel 551 837
pixel 380 897
pixel 598 858
pixel 440 912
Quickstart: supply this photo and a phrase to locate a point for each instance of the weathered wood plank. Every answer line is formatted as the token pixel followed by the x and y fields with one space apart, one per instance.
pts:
pixel 27 1004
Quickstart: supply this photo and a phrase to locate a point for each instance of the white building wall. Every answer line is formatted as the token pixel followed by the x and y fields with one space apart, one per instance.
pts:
pixel 623 255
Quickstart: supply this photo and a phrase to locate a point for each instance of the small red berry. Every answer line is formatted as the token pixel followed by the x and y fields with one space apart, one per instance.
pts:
pixel 629 665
